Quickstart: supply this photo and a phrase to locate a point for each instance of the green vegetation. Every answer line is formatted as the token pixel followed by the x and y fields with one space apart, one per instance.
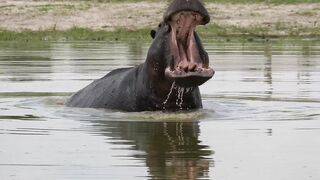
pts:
pixel 212 30
pixel 74 34
pixel 7 6
pixel 63 8
pixel 54 7
pixel 307 13
pixel 280 29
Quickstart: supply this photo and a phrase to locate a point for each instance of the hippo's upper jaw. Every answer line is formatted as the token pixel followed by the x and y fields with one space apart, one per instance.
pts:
pixel 189 63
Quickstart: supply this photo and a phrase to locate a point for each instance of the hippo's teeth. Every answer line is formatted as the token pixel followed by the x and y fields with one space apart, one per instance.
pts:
pixel 205 66
pixel 184 46
pixel 177 71
pixel 192 67
pixel 172 64
pixel 205 63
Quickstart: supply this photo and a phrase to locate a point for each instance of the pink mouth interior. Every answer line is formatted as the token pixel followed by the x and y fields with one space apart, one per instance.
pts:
pixel 184 48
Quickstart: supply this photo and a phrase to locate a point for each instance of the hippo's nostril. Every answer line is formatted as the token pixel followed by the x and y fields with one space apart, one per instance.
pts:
pixel 194 15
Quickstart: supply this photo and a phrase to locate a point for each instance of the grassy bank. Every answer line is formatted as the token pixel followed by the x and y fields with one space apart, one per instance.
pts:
pixel 209 31
pixel 59 20
pixel 74 34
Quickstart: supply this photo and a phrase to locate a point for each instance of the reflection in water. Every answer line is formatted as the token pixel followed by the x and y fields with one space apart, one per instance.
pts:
pixel 268 68
pixel 171 150
pixel 305 62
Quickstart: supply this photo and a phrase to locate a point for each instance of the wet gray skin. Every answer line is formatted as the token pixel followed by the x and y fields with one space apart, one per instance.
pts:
pixel 260 117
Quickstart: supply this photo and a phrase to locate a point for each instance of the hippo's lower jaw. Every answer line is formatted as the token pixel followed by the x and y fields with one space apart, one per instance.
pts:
pixel 189 79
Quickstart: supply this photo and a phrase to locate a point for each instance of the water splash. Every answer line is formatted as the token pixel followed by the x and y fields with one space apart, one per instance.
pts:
pixel 189 89
pixel 180 93
pixel 179 100
pixel 169 94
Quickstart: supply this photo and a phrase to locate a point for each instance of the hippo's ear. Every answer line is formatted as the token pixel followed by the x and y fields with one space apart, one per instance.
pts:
pixel 153 33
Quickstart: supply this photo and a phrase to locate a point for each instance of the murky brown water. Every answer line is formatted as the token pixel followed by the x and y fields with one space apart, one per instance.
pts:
pixel 261 117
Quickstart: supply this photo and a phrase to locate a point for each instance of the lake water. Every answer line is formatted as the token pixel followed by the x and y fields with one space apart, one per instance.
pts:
pixel 261 117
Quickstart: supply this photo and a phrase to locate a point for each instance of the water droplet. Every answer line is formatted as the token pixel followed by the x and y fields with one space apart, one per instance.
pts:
pixel 179 100
pixel 168 96
pixel 188 89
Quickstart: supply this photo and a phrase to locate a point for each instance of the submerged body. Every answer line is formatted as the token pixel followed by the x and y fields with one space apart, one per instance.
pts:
pixel 176 65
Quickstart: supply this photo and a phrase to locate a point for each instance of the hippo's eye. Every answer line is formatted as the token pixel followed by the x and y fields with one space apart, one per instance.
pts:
pixel 153 34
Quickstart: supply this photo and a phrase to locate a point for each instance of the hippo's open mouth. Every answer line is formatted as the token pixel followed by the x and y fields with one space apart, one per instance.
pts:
pixel 188 67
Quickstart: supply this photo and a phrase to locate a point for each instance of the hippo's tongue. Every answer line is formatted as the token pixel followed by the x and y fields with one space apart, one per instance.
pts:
pixel 183 44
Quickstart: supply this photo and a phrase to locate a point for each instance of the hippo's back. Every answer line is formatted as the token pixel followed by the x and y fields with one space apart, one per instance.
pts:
pixel 113 91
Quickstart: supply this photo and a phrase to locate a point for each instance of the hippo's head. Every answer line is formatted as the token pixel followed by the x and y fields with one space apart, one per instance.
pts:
pixel 177 53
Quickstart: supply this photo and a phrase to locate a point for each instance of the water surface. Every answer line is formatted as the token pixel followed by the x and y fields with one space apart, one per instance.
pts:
pixel 261 117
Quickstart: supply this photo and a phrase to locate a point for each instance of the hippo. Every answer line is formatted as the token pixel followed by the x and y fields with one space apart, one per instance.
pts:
pixel 169 79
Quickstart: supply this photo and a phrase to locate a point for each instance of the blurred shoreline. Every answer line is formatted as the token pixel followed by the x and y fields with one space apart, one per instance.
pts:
pixel 302 19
